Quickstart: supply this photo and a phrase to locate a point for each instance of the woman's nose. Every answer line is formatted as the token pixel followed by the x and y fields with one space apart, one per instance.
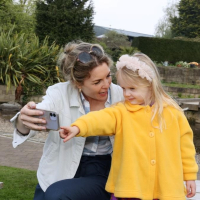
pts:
pixel 106 83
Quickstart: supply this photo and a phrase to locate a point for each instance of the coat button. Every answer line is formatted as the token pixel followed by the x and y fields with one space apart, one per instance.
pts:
pixel 153 162
pixel 151 134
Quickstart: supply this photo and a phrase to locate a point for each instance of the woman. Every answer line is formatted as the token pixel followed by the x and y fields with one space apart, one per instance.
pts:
pixel 79 168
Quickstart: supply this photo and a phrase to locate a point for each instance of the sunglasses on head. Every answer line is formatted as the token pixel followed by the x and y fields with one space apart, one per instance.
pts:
pixel 85 57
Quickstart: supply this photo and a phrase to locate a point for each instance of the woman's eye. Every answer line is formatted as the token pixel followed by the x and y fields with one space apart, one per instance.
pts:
pixel 132 88
pixel 109 75
pixel 97 83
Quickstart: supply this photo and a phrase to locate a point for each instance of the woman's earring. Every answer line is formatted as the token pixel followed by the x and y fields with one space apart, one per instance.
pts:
pixel 79 89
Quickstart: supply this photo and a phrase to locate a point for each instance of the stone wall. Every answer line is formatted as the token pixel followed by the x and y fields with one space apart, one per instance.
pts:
pixel 10 95
pixel 183 92
pixel 7 96
pixel 180 75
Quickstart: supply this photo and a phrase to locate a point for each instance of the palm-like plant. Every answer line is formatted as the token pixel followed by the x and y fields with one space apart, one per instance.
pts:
pixel 23 58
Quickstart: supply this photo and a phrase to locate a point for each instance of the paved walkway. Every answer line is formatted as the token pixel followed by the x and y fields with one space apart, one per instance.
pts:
pixel 26 156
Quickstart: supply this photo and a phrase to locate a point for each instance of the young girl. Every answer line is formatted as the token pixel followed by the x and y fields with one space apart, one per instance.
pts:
pixel 153 150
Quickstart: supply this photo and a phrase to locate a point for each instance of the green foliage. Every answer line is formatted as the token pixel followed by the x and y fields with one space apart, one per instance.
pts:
pixel 64 21
pixel 114 43
pixel 160 49
pixel 22 15
pixel 178 85
pixel 31 89
pixel 23 58
pixel 187 24
pixel 114 40
pixel 182 64
pixel 19 184
pixel 180 95
pixel 128 50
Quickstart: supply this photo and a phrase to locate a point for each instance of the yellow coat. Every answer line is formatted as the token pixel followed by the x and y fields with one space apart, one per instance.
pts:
pixel 146 163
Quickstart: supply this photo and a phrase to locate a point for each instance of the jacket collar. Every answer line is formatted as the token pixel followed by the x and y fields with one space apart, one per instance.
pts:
pixel 75 100
pixel 133 108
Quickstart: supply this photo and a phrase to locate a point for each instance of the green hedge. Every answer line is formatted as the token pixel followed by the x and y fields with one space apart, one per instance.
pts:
pixel 159 49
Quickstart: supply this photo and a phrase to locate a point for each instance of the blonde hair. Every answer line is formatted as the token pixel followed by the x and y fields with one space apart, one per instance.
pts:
pixel 75 71
pixel 158 96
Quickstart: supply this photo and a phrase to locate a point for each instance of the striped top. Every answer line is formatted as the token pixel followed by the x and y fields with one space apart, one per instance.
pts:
pixel 96 145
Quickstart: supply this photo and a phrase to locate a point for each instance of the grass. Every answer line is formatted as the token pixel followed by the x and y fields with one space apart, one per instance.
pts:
pixel 19 184
pixel 181 85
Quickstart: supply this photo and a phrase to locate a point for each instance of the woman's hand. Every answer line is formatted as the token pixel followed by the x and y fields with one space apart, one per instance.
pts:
pixel 26 120
pixel 68 132
pixel 191 188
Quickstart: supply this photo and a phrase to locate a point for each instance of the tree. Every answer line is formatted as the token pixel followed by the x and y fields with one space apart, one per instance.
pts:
pixel 163 28
pixel 187 24
pixel 114 40
pixel 20 14
pixel 113 43
pixel 64 20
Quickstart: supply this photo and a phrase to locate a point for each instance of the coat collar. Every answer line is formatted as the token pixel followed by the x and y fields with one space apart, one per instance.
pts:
pixel 75 100
pixel 133 108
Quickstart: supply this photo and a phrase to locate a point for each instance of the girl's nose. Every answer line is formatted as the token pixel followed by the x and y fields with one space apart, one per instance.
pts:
pixel 126 93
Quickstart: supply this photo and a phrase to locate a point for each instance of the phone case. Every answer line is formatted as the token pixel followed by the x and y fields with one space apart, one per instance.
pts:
pixel 52 119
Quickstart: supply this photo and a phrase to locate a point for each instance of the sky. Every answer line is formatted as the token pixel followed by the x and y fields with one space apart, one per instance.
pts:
pixel 139 16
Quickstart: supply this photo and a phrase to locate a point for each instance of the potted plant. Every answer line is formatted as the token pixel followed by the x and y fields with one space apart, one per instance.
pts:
pixel 182 64
pixel 193 64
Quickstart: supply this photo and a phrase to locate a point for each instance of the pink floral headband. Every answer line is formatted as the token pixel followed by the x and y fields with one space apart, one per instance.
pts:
pixel 134 64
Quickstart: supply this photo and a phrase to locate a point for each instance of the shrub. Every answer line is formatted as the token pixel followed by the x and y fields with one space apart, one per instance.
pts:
pixel 23 58
pixel 172 50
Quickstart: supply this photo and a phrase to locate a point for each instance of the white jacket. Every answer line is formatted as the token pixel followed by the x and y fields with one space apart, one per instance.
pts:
pixel 61 160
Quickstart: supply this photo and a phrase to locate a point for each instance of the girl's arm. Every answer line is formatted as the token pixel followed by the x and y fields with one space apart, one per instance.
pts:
pixel 103 122
pixel 190 167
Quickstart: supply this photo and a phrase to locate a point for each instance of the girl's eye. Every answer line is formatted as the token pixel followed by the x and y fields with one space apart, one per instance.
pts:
pixel 109 75
pixel 132 88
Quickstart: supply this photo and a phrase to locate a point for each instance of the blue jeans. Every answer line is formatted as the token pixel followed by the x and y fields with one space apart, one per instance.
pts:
pixel 88 183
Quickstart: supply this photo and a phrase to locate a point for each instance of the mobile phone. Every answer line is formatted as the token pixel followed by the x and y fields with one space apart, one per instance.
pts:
pixel 52 119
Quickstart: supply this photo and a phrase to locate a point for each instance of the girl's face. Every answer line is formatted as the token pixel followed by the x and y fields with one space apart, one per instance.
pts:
pixel 97 85
pixel 134 94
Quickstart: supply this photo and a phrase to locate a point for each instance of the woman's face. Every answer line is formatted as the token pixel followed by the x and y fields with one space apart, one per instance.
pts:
pixel 96 86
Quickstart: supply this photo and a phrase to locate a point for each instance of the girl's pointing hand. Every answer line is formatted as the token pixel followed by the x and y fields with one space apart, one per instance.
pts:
pixel 68 132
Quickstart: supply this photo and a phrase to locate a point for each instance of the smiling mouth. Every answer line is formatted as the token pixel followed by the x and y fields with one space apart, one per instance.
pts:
pixel 103 93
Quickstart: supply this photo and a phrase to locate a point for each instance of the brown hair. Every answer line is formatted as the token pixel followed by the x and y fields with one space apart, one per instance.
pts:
pixel 77 72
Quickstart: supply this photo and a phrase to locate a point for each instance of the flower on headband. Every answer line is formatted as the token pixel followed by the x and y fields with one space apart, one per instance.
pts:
pixel 134 64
